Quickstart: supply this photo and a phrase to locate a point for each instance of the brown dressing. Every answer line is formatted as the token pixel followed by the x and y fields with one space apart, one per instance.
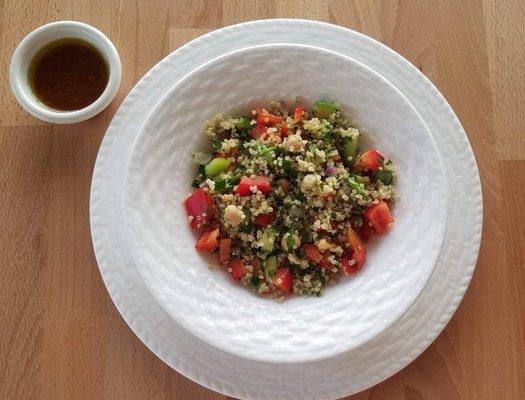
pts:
pixel 68 74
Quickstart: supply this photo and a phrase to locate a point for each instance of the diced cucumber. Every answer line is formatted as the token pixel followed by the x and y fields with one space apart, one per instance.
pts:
pixel 323 109
pixel 216 166
pixel 243 124
pixel 384 176
pixel 350 147
pixel 267 240
pixel 270 266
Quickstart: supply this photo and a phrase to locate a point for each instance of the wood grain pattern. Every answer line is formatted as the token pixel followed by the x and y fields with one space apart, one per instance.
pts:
pixel 60 335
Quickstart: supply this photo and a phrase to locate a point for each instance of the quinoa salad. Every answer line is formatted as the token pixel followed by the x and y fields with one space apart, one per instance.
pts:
pixel 287 199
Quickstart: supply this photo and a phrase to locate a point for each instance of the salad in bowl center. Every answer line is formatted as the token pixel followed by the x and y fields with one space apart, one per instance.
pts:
pixel 287 200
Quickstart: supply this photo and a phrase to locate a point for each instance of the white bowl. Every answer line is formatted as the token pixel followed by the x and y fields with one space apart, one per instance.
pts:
pixel 227 315
pixel 29 46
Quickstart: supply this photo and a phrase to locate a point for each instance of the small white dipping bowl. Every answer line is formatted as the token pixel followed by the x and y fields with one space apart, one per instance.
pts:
pixel 32 43
pixel 224 313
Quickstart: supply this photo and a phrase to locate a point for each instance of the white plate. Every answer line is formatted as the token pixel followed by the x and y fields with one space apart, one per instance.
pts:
pixel 329 379
pixel 206 301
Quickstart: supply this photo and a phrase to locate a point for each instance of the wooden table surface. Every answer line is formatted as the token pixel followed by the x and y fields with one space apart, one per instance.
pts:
pixel 61 336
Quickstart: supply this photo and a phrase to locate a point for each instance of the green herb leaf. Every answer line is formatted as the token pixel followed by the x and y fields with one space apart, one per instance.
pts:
pixel 305 233
pixel 384 176
pixel 216 144
pixel 290 242
pixel 243 124
pixel 288 168
pixel 255 282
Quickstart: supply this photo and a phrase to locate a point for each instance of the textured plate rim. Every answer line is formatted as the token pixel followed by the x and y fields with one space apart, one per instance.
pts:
pixel 215 37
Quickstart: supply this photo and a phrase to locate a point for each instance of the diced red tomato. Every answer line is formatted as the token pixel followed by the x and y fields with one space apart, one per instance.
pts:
pixel 311 251
pixel 208 240
pixel 262 182
pixel 243 188
pixel 354 241
pixel 358 252
pixel 360 257
pixel 238 269
pixel 200 207
pixel 268 119
pixel 258 131
pixel 324 264
pixel 365 232
pixel 283 279
pixel 350 264
pixel 256 264
pixel 284 130
pixel 379 217
pixel 224 250
pixel 370 160
pixel 264 219
pixel 298 114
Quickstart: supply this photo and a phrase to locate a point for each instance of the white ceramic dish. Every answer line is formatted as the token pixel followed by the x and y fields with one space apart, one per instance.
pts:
pixel 29 46
pixel 337 377
pixel 206 302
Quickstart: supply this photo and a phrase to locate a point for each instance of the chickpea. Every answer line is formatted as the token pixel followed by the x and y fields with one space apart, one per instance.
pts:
pixel 233 215
pixel 293 143
pixel 309 182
